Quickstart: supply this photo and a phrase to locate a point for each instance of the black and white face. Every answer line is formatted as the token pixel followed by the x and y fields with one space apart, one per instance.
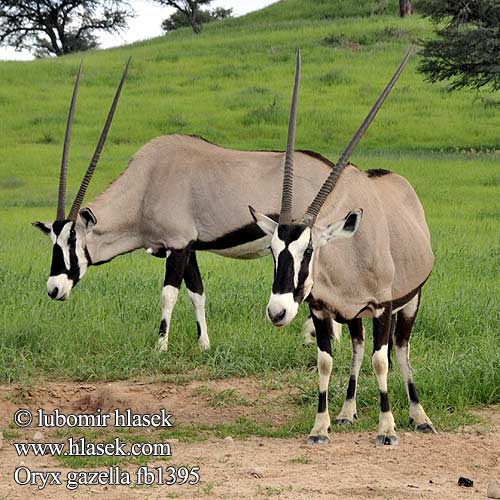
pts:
pixel 69 260
pixel 292 248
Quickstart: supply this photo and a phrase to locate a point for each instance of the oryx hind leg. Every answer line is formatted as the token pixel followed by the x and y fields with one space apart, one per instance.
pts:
pixel 323 327
pixel 386 434
pixel 404 324
pixel 194 284
pixel 309 333
pixel 176 264
pixel 357 332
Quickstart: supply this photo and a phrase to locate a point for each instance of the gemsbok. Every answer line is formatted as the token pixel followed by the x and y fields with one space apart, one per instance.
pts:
pixel 371 262
pixel 178 194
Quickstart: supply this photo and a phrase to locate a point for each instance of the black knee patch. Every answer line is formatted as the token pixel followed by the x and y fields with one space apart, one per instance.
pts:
pixel 198 327
pixel 384 402
pixel 322 402
pixel 163 327
pixel 412 391
pixel 351 387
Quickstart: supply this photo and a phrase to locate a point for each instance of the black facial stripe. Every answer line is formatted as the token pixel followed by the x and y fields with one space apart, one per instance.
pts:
pixel 74 266
pixel 285 270
pixel 290 232
pixel 58 266
pixel 283 280
pixel 298 293
pixel 58 226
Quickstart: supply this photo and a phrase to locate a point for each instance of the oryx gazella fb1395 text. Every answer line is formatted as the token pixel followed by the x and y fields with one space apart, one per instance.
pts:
pixel 362 249
pixel 178 194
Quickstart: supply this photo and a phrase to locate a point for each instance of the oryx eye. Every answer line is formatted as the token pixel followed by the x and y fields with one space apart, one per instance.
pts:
pixel 308 251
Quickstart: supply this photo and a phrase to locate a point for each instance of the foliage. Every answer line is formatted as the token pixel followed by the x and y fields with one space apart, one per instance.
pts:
pixel 189 10
pixel 465 52
pixel 58 27
pixel 179 19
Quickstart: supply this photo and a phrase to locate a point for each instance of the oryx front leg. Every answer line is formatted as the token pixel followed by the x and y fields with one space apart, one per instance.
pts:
pixel 323 327
pixel 348 413
pixel 176 263
pixel 381 329
pixel 309 333
pixel 405 321
pixel 194 284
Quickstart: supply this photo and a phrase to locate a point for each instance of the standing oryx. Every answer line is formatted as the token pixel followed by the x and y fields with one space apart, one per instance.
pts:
pixel 178 194
pixel 379 260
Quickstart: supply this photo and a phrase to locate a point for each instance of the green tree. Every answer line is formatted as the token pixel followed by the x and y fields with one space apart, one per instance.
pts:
pixel 189 12
pixel 179 20
pixel 465 50
pixel 58 27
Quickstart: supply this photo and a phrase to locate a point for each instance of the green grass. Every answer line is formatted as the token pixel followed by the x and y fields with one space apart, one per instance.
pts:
pixel 232 85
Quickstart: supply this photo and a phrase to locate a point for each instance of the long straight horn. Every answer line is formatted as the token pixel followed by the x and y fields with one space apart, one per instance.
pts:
pixel 329 184
pixel 61 198
pixel 97 153
pixel 287 192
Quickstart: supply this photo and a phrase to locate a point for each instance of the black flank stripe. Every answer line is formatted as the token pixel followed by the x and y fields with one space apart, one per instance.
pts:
pixel 240 236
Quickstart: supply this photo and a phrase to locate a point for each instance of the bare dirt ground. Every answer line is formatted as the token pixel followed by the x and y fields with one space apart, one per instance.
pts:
pixel 350 467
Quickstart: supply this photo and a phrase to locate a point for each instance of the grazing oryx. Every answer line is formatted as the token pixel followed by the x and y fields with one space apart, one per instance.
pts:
pixel 371 262
pixel 178 194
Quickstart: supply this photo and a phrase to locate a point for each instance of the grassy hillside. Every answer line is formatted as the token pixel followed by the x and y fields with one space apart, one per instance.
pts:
pixel 232 85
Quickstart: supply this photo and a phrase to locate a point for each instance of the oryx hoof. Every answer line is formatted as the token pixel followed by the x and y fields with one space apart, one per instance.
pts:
pixel 387 440
pixel 204 346
pixel 344 421
pixel 426 427
pixel 162 346
pixel 318 439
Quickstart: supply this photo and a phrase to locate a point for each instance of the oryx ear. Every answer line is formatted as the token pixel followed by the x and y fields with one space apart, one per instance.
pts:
pixel 88 218
pixel 267 224
pixel 45 227
pixel 343 228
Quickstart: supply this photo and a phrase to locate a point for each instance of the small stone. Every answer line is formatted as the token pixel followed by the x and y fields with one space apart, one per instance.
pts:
pixel 256 473
pixel 38 436
pixel 1 440
pixel 493 489
pixel 465 481
pixel 228 439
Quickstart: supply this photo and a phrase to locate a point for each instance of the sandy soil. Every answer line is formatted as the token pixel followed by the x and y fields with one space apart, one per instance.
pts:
pixel 351 467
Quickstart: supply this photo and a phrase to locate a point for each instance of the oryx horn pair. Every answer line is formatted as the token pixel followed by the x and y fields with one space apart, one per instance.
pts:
pixel 61 199
pixel 327 187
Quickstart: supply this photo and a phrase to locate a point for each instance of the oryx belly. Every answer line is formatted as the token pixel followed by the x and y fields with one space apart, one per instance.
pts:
pixel 249 250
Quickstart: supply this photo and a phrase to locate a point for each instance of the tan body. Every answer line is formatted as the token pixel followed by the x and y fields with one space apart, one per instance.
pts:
pixel 388 258
pixel 181 189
